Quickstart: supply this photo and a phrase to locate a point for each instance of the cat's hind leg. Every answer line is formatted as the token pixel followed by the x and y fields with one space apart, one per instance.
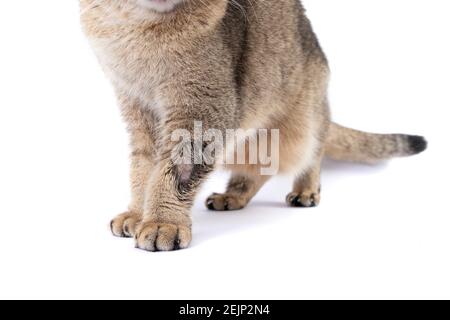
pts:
pixel 306 192
pixel 242 187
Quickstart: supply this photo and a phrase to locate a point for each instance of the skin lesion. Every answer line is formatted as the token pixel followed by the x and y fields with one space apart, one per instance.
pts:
pixel 189 177
pixel 184 173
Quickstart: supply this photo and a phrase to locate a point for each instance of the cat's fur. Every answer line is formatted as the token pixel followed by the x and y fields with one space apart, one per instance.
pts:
pixel 230 64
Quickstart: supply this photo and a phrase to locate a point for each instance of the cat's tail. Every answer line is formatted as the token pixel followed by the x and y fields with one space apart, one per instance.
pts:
pixel 351 145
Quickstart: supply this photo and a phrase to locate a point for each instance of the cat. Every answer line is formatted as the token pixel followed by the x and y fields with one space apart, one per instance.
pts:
pixel 227 64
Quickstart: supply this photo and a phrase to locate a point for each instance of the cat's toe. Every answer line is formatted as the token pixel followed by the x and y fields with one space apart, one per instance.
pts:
pixel 305 199
pixel 124 225
pixel 224 202
pixel 152 236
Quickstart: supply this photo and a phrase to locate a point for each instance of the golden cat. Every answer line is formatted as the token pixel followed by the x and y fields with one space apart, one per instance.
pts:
pixel 227 64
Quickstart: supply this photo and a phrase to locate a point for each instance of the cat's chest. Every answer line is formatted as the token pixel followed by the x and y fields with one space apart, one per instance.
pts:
pixel 135 66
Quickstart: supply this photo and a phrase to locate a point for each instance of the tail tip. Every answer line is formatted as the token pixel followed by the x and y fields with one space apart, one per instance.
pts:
pixel 417 144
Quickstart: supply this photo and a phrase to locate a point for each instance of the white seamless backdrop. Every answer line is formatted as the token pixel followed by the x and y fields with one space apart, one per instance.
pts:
pixel 380 232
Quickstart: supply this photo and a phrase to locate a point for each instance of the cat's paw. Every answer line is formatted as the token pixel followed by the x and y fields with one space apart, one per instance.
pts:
pixel 152 236
pixel 225 202
pixel 125 224
pixel 305 199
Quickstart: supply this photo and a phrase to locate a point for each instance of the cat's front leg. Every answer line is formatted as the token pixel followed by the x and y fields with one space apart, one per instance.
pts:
pixel 141 125
pixel 171 190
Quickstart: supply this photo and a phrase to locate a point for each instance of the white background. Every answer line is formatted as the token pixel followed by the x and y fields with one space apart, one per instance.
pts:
pixel 380 232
